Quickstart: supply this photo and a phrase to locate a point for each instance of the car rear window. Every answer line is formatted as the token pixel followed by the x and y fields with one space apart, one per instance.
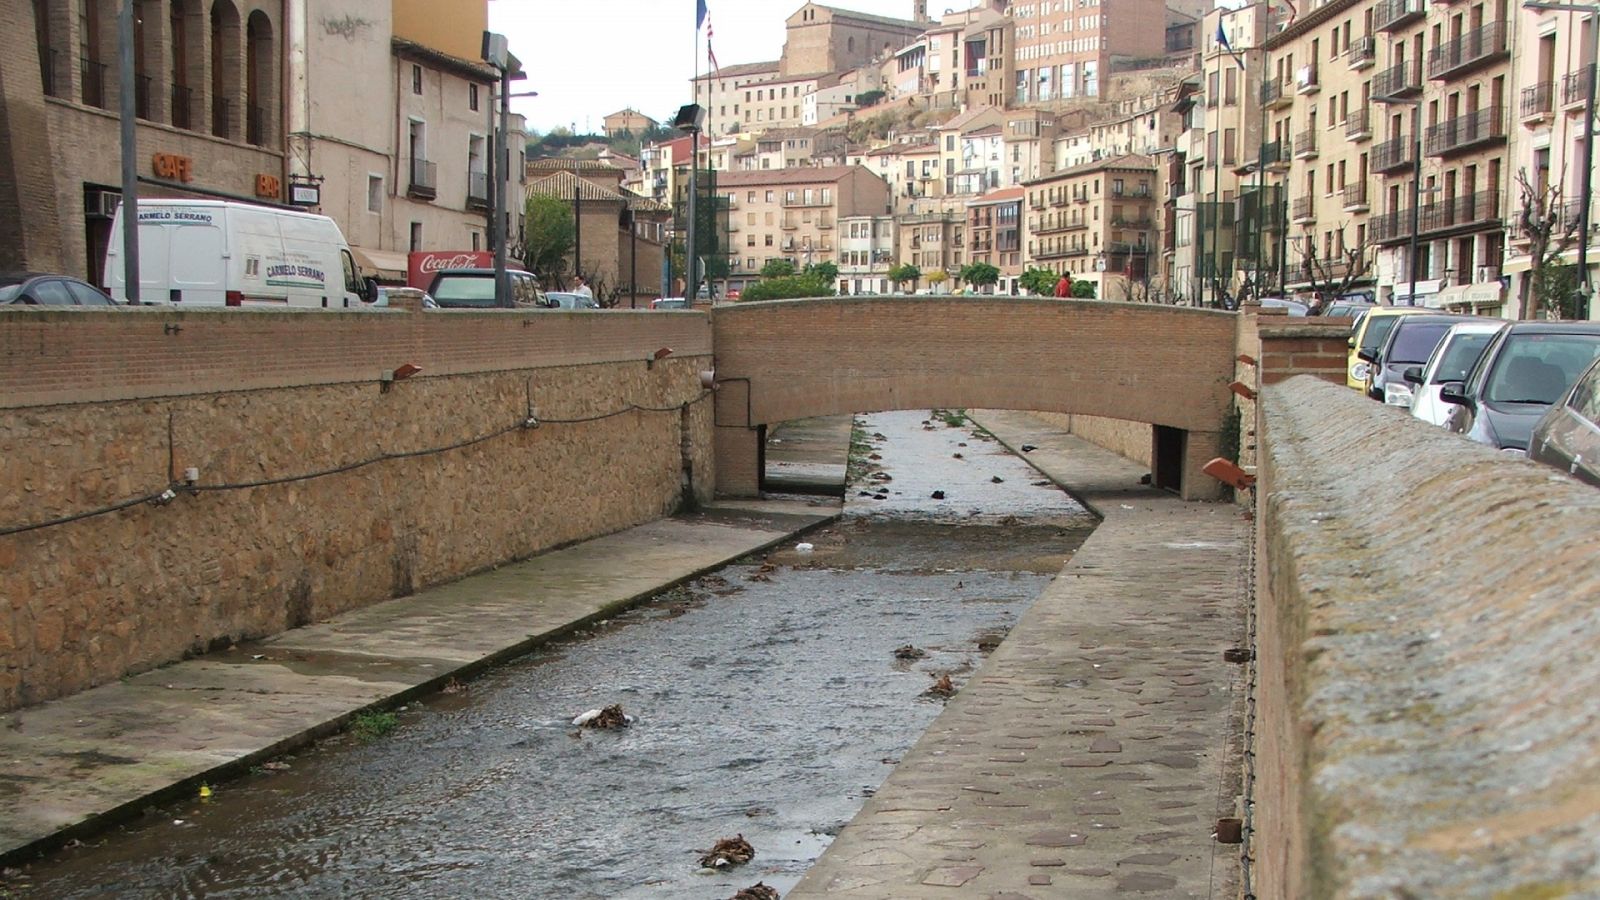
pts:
pixel 1377 330
pixel 464 290
pixel 1414 343
pixel 1538 368
pixel 1460 355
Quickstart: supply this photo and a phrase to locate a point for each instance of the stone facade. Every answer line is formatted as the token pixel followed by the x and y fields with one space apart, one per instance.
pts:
pixel 101 597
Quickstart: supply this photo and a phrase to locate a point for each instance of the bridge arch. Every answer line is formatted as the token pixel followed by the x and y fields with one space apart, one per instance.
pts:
pixel 1165 366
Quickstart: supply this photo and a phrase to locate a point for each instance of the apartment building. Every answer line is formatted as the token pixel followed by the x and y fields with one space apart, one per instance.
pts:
pixel 931 236
pixel 911 169
pixel 794 214
pixel 956 155
pixel 1097 221
pixel 628 121
pixel 1553 76
pixel 209 102
pixel 1064 50
pixel 994 235
pixel 820 38
pixel 866 254
pixel 665 163
pixel 727 95
pixel 1026 141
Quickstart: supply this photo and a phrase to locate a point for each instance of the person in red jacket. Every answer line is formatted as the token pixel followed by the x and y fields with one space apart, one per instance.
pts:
pixel 1064 286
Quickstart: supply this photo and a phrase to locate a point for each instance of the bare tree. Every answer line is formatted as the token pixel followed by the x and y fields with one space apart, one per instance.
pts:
pixel 1331 277
pixel 1550 230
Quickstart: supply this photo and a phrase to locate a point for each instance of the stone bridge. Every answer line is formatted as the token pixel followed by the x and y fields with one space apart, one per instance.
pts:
pixel 1168 367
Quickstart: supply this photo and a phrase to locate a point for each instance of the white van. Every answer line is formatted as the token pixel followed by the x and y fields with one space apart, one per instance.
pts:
pixel 217 253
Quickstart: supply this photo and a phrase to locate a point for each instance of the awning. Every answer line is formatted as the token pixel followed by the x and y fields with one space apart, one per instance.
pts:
pixel 384 265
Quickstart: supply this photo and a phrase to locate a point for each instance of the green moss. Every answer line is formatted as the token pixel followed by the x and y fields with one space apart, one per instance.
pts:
pixel 1542 891
pixel 370 726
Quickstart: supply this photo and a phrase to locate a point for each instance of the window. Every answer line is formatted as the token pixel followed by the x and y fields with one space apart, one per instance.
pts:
pixel 416 236
pixel 769 196
pixel 375 193
pixel 474 241
pixel 769 240
pixel 472 96
pixel 750 197
pixel 416 79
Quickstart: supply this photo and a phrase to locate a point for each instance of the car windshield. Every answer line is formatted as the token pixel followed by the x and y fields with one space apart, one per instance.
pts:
pixel 1414 343
pixel 1377 330
pixel 1460 355
pixel 465 290
pixel 1537 368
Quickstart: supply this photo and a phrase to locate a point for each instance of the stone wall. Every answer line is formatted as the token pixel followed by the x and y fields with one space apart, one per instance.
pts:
pixel 99 405
pixel 1130 440
pixel 1426 629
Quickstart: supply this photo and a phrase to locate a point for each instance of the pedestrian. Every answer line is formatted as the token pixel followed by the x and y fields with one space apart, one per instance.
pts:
pixel 1064 286
pixel 583 288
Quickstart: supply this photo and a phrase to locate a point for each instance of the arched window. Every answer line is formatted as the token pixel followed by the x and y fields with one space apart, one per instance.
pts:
pixel 260 78
pixel 187 71
pixel 225 52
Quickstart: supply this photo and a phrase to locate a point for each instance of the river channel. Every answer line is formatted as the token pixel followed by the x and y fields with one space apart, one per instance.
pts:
pixel 768 698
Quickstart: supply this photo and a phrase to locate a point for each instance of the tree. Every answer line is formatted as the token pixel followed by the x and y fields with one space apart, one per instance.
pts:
pixel 903 273
pixel 936 278
pixel 1040 281
pixel 1083 290
pixel 980 274
pixel 787 287
pixel 1550 231
pixel 777 267
pixel 868 98
pixel 548 233
pixel 826 271
pixel 1331 277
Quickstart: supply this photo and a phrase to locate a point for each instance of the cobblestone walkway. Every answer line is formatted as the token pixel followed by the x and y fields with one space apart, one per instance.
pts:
pixel 1092 753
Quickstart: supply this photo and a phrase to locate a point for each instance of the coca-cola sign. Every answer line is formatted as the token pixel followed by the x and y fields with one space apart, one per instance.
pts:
pixel 425 264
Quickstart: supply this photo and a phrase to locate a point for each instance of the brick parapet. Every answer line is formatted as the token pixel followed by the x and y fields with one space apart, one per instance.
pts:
pixel 1425 642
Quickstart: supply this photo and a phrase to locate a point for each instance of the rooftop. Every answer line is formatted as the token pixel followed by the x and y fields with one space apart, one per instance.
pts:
pixel 803 175
pixel 733 71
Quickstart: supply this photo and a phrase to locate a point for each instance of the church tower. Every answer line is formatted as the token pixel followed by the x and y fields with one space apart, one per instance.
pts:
pixel 919 10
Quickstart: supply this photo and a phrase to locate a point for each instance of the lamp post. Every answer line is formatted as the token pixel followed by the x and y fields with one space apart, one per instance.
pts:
pixel 497 53
pixel 690 119
pixel 130 168
pixel 1591 52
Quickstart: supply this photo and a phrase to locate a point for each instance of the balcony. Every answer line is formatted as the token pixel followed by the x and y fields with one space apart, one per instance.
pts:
pixel 1358 125
pixel 1273 158
pixel 1400 80
pixel 1140 192
pixel 255 125
pixel 478 191
pixel 94 83
pixel 1538 102
pixel 1136 223
pixel 1058 200
pixel 1304 211
pixel 221 117
pixel 1355 197
pixel 424 180
pixel 1305 144
pixel 1575 87
pixel 1075 225
pixel 1473 49
pixel 801 201
pixel 825 224
pixel 1484 126
pixel 789 224
pixel 1126 248
pixel 182 107
pixel 1036 203
pixel 1272 96
pixel 1390 227
pixel 1306 80
pixel 1363 52
pixel 1393 155
pixel 1467 211
pixel 1393 14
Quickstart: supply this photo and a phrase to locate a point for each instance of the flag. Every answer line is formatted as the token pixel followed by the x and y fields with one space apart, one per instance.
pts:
pixel 1222 41
pixel 711 55
pixel 700 15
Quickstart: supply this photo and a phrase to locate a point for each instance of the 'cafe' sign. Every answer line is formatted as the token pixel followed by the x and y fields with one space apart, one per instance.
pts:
pixel 173 167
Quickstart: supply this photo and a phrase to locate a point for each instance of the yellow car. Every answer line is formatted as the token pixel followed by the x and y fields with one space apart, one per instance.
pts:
pixel 1368 335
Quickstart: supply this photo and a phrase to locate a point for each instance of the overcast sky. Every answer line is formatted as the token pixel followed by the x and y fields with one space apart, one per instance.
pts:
pixel 587 58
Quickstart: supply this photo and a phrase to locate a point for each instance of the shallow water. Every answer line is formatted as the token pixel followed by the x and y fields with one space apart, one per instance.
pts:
pixel 768 700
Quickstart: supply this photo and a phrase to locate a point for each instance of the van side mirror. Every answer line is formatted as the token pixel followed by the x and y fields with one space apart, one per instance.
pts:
pixel 369 290
pixel 1368 355
pixel 1453 392
pixel 1412 374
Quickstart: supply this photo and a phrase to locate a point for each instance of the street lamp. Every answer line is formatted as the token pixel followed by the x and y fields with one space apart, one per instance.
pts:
pixel 690 119
pixel 1592 54
pixel 497 53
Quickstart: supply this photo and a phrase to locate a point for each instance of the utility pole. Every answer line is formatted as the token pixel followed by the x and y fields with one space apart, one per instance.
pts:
pixel 130 168
pixel 502 281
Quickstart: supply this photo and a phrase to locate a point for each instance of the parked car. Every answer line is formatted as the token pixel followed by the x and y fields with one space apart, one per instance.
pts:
pixel 1409 343
pixel 1368 334
pixel 1290 307
pixel 35 289
pixel 381 299
pixel 474 289
pixel 1524 371
pixel 1452 360
pixel 570 300
pixel 669 303
pixel 1568 436
pixel 1344 309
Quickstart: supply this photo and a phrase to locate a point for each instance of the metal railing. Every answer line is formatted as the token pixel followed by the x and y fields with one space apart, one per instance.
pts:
pixel 1362 51
pixel 1391 14
pixel 424 179
pixel 1305 80
pixel 1392 154
pixel 221 117
pixel 1398 80
pixel 1305 144
pixel 94 82
pixel 182 106
pixel 1304 209
pixel 1575 86
pixel 1272 153
pixel 1474 128
pixel 1358 124
pixel 1468 209
pixel 1478 45
pixel 1355 195
pixel 1141 223
pixel 1390 227
pixel 1538 100
pixel 1271 92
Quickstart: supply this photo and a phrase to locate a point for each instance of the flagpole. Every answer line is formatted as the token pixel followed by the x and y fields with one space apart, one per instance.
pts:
pixel 691 285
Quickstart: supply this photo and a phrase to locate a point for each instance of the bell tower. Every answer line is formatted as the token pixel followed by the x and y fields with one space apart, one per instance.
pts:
pixel 919 10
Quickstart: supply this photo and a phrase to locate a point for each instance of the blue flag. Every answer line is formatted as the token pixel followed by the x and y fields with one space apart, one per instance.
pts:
pixel 700 14
pixel 1222 36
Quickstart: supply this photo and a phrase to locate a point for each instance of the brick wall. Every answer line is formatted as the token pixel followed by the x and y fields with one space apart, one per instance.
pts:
pixel 1310 346
pixel 245 396
pixel 1426 666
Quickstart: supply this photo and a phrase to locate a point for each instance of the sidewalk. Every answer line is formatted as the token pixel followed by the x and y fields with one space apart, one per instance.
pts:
pixel 73 766
pixel 1091 754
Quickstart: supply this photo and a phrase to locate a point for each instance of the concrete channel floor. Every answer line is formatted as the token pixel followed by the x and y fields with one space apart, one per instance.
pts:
pixel 70 766
pixel 1092 752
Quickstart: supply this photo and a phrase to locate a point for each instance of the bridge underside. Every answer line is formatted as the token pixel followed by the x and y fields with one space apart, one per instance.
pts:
pixel 1164 366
